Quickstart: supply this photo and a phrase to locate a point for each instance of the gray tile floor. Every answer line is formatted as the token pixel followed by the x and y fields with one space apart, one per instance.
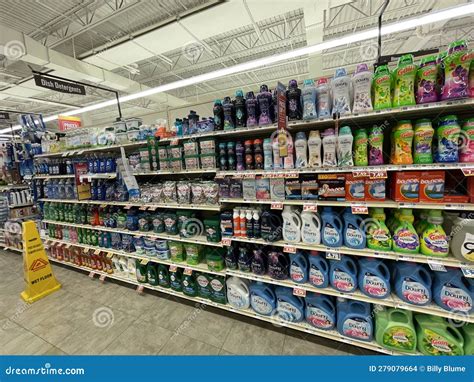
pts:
pixel 90 317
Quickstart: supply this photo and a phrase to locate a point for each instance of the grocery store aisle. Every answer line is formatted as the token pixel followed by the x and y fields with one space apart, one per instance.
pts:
pixel 90 317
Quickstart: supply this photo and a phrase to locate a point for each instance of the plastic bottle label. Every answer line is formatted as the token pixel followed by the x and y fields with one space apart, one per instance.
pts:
pixel 415 292
pixel 343 281
pixel 330 234
pixel 309 235
pixel 296 273
pixel 288 312
pixel 456 299
pixel 316 277
pixel 437 243
pixel 319 318
pixel 374 285
pixel 356 328
pixel 236 299
pixel 260 305
pixel 354 236
pixel 467 247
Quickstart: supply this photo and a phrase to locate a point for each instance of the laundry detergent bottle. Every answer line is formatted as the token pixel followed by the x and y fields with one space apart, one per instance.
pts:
pixel 374 278
pixel 289 307
pixel 466 152
pixel 462 239
pixel 403 78
pixel 423 138
pixel 291 225
pixel 361 85
pixel 437 337
pixel 314 149
pixel 238 292
pixel 405 238
pixel 318 270
pixel 382 88
pixel 299 267
pixel 310 228
pixel 329 148
pixel 452 291
pixel 360 147
pixel 447 138
pixel 308 95
pixel 344 147
pixel 354 319
pixel 402 139
pixel 293 101
pixel 341 97
pixel 320 311
pixel 412 283
pixel 426 78
pixel 433 240
pixel 377 233
pixel 262 299
pixel 331 234
pixel 323 98
pixel 343 274
pixel 354 234
pixel 301 150
pixel 394 329
pixel 468 333
pixel 456 71
pixel 375 142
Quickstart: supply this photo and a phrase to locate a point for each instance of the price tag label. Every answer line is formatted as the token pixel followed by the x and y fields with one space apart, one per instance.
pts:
pixel 152 208
pixel 436 266
pixel 143 208
pixel 406 258
pixel 173 268
pixel 139 289
pixel 360 173
pixel 310 207
pixel 91 274
pixel 174 142
pixel 110 255
pixel 299 292
pixel 188 271
pixel 378 174
pixel 68 245
pixel 358 209
pixel 127 207
pixel 80 152
pixel 333 256
pixel 291 175
pixel 226 241
pixel 276 206
pixel 97 251
pixel 289 249
pixel 467 271
pixel 144 261
pixel 102 278
pixel 468 171
pixel 248 176
pixel 103 206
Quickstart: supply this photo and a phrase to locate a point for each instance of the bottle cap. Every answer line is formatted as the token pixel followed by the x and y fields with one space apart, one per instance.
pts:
pixel 239 93
pixel 361 68
pixel 248 142
pixel 293 84
pixel 308 82
pixel 322 81
pixel 340 72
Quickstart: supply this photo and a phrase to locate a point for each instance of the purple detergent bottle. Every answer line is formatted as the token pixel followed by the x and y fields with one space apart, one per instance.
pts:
pixel 456 71
pixel 275 106
pixel 252 109
pixel 229 114
pixel 293 101
pixel 239 155
pixel 264 99
pixel 426 77
pixel 240 118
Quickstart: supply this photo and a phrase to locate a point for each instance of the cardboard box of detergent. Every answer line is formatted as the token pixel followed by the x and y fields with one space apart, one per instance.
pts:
pixel 375 189
pixel 332 186
pixel 432 186
pixel 355 188
pixel 405 186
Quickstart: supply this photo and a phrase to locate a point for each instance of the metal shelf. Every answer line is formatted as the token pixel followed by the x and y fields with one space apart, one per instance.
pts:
pixel 21 205
pixel 109 175
pixel 170 172
pixel 78 152
pixel 47 176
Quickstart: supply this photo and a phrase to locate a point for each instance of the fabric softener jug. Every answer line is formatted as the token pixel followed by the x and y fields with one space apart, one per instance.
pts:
pixel 354 234
pixel 412 283
pixel 374 278
pixel 238 292
pixel 437 337
pixel 289 307
pixel 343 274
pixel 331 234
pixel 394 329
pixel 320 311
pixel 354 319
pixel 299 267
pixel 262 299
pixel 278 265
pixel 452 291
pixel 318 270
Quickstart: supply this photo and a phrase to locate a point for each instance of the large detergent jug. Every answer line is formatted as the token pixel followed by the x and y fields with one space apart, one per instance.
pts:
pixel 320 311
pixel 378 234
pixel 403 78
pixel 308 95
pixel 394 329
pixel 343 274
pixel 331 234
pixel 462 239
pixel 238 292
pixel 310 227
pixel 299 267
pixel 289 307
pixel 344 147
pixel 354 319
pixel 262 299
pixel 412 283
pixel 422 222
pixel 452 291
pixel 318 270
pixel 402 139
pixel 291 225
pixel 381 88
pixel 152 273
pixel 374 278
pixel 437 337
pixel 354 234
pixel 341 98
pixel 361 85
pixel 467 331
pixel 434 241
pixel 447 140
pixel 405 238
pixel 190 286
pixel 278 265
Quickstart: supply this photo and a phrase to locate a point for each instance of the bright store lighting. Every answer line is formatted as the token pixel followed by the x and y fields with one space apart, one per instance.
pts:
pixel 460 11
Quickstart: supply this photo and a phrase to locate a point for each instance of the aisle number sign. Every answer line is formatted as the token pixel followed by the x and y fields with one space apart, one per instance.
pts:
pixel 38 274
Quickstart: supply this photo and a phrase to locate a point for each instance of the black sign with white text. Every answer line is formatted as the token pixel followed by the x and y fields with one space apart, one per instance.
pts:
pixel 58 85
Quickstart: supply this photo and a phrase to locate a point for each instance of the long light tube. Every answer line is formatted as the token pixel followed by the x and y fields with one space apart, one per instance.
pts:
pixel 446 14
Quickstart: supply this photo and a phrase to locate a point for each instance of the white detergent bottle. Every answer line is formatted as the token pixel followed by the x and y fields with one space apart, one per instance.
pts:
pixel 291 225
pixel 277 161
pixel 344 147
pixel 329 148
pixel 301 150
pixel 289 160
pixel 314 149
pixel 238 292
pixel 362 85
pixel 310 227
pixel 341 92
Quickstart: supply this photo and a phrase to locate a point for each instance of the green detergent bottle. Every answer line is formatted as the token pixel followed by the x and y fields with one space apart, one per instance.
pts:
pixel 378 234
pixel 163 276
pixel 434 241
pixel 403 81
pixel 190 287
pixel 176 278
pixel 152 273
pixel 437 337
pixel 467 331
pixel 361 139
pixel 218 290
pixel 381 88
pixel 394 329
pixel 140 272
pixel 422 222
pixel 392 221
pixel 203 284
pixel 405 238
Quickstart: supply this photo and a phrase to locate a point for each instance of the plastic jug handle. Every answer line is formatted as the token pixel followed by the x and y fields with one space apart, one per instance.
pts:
pixel 384 270
pixel 426 276
pixel 398 312
pixel 352 265
pixel 455 333
pixel 245 287
pixel 329 306
pixel 325 265
pixel 338 220
pixel 297 220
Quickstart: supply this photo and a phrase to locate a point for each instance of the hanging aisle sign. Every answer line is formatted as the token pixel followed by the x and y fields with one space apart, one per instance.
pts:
pixel 59 85
pixel 4 115
pixel 68 122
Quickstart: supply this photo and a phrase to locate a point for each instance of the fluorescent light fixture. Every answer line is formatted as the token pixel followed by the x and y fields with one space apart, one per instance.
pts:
pixel 433 17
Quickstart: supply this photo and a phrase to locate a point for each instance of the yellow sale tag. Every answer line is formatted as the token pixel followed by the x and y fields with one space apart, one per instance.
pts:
pixel 144 261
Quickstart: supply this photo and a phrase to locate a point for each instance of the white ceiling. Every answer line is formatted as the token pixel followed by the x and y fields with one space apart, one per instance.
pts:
pixel 132 45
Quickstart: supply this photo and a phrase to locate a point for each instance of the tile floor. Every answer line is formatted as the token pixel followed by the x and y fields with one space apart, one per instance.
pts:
pixel 90 317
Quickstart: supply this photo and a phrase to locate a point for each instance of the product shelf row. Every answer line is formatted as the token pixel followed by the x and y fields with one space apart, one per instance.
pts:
pixel 392 301
pixel 90 150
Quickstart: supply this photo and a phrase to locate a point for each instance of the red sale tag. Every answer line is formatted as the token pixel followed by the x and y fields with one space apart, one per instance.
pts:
pixel 299 292
pixel 173 268
pixel 102 278
pixel 92 274
pixel 359 209
pixel 276 206
pixel 468 171
pixel 188 271
pixel 226 241
pixel 249 176
pixel 378 174
pixel 310 207
pixel 139 289
pixel 360 173
pixel 289 249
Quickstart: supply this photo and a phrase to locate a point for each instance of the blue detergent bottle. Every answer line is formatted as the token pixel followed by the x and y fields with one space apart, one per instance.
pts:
pixel 299 267
pixel 354 319
pixel 452 291
pixel 262 298
pixel 354 232
pixel 412 283
pixel 289 307
pixel 331 234
pixel 318 270
pixel 374 278
pixel 343 274
pixel 320 311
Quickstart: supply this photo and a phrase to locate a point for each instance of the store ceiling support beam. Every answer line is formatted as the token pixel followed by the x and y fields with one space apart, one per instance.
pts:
pixel 314 13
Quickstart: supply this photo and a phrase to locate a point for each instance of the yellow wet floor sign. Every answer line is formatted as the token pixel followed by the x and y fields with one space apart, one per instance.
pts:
pixel 38 274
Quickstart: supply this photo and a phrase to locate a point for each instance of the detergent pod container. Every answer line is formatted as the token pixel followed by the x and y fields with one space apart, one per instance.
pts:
pixel 462 239
pixel 318 270
pixel 341 98
pixel 394 329
pixel 331 234
pixel 238 292
pixel 289 307
pixel 343 274
pixel 310 228
pixel 452 291
pixel 320 311
pixel 291 225
pixel 354 319
pixel 361 85
pixel 299 267
pixel 433 240
pixel 437 337
pixel 405 238
pixel 447 140
pixel 262 299
pixel 377 233
pixel 374 278
pixel 412 283
pixel 354 234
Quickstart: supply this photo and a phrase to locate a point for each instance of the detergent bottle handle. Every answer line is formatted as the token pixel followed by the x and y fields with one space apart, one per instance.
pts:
pixel 384 270
pixel 329 306
pixel 297 219
pixel 269 294
pixel 245 288
pixel 338 222
pixel 426 276
pixel 455 333
pixel 399 313
pixel 324 265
